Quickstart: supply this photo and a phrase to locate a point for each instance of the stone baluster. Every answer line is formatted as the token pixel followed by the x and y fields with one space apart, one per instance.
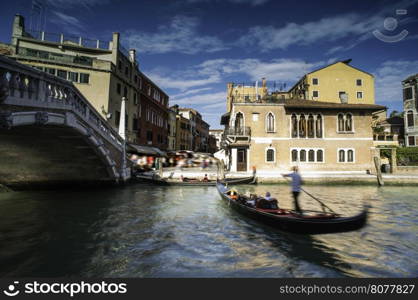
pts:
pixel 13 83
pixel 32 88
pixel 4 86
pixel 22 85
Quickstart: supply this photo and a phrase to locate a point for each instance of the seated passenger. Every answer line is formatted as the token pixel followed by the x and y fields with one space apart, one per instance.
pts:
pixel 253 200
pixel 205 179
pixel 268 202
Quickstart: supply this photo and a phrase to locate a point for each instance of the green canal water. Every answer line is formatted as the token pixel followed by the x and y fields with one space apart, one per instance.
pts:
pixel 150 231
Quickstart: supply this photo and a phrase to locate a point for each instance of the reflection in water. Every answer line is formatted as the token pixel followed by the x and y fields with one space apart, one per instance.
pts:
pixel 149 231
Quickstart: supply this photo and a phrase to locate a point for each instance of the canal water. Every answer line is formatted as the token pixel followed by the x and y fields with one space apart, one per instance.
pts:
pixel 151 231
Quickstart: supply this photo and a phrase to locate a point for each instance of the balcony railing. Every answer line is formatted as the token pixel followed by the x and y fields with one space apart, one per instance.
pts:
pixel 238 131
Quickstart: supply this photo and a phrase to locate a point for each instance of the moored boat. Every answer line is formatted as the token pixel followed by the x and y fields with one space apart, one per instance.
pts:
pixel 310 222
pixel 194 181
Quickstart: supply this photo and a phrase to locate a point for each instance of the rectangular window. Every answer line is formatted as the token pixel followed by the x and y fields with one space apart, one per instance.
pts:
pixel 73 76
pixel 411 140
pixel 135 99
pixel 149 137
pixel 84 78
pixel 117 118
pixel 118 88
pixel 126 70
pixel 359 95
pixel 62 74
pixel 314 81
pixel 135 79
pixel 407 93
pixel 359 82
pixel 315 94
pixel 135 123
pixel 120 65
pixel 50 71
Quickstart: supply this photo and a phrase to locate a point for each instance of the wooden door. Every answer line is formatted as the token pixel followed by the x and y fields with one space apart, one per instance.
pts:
pixel 241 160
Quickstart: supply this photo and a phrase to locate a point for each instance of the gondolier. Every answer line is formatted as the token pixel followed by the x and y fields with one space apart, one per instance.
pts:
pixel 296 186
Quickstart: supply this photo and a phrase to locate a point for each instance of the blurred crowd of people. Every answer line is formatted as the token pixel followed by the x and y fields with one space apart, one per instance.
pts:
pixel 186 159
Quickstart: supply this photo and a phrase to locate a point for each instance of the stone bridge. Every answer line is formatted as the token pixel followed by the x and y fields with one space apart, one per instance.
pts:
pixel 51 135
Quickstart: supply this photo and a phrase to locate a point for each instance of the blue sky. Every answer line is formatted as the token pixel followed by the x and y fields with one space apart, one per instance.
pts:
pixel 192 48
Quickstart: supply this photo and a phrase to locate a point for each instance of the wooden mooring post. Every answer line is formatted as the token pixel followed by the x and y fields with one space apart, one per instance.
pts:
pixel 378 171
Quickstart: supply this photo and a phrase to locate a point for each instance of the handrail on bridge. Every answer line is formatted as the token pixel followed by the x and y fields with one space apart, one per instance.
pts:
pixel 37 87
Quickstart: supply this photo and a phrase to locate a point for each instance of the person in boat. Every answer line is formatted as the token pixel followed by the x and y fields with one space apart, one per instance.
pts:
pixel 205 179
pixel 252 202
pixel 233 194
pixel 296 186
pixel 267 202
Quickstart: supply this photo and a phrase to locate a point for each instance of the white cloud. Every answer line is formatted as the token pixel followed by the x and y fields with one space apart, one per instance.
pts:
pixel 70 23
pixel 190 92
pixel 180 35
pixel 201 99
pixel 356 26
pixel 333 28
pixel 218 70
pixel 67 4
pixel 388 78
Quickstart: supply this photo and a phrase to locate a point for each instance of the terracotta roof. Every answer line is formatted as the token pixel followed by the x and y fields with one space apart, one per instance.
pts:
pixel 294 103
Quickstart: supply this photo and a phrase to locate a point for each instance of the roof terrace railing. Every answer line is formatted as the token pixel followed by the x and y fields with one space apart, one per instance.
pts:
pixel 66 38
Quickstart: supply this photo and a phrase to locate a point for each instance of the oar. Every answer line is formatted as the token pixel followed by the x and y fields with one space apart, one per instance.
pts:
pixel 320 202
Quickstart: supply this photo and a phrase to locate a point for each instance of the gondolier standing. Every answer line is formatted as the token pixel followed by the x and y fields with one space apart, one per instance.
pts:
pixel 296 186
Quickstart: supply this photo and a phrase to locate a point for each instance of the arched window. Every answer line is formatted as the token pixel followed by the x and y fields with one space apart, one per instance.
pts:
pixel 340 122
pixel 341 156
pixel 318 126
pixel 294 155
pixel 311 155
pixel 302 126
pixel 239 123
pixel 319 156
pixel 410 118
pixel 311 133
pixel 270 122
pixel 348 122
pixel 125 92
pixel 302 155
pixel 294 121
pixel 350 155
pixel 270 155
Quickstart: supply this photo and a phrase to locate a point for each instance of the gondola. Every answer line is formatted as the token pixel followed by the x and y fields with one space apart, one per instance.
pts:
pixel 194 182
pixel 311 222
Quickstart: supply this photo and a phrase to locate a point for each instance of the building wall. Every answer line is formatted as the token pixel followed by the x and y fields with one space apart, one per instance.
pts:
pixel 360 140
pixel 335 78
pixel 410 105
pixel 113 74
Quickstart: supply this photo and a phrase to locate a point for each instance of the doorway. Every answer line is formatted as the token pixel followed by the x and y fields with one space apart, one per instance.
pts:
pixel 241 160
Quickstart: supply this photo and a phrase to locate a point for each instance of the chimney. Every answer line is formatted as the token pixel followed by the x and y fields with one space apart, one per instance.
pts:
pixel 132 55
pixel 263 82
pixel 115 47
pixel 18 28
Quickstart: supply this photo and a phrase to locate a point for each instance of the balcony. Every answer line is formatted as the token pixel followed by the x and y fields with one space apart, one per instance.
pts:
pixel 385 139
pixel 237 135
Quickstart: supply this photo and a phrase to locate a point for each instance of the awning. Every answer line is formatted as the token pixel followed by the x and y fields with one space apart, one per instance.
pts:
pixel 225 119
pixel 145 150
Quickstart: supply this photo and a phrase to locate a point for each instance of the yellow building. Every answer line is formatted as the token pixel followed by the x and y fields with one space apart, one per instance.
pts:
pixel 339 83
pixel 104 72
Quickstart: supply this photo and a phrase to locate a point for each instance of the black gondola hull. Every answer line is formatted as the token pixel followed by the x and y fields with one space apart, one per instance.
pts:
pixel 298 224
